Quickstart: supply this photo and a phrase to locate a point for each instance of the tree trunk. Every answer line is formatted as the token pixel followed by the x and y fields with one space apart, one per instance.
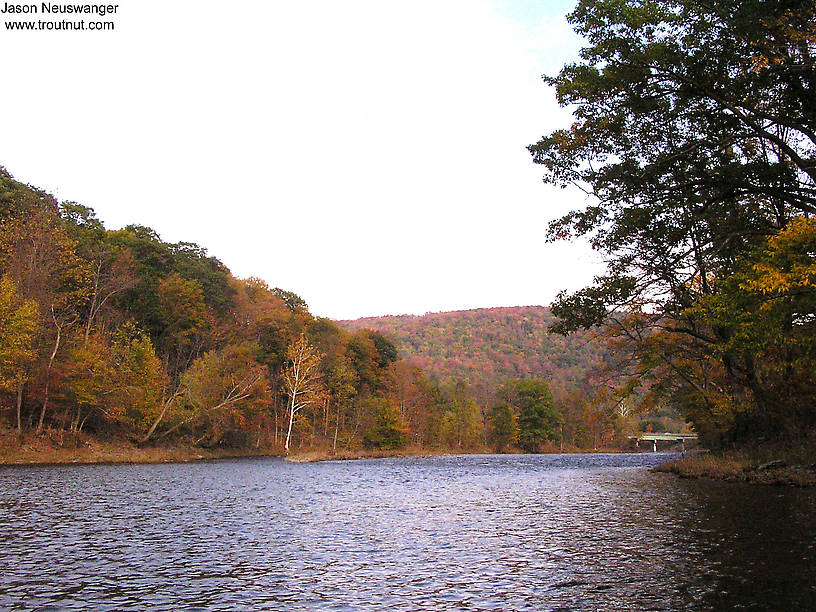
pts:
pixel 48 375
pixel 353 433
pixel 19 411
pixel 291 419
pixel 64 426
pixel 91 311
pixel 336 427
pixel 157 421
pixel 75 422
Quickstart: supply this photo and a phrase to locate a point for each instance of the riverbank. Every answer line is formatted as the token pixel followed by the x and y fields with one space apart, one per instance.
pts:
pixel 756 467
pixel 55 447
pixel 313 456
pixel 49 449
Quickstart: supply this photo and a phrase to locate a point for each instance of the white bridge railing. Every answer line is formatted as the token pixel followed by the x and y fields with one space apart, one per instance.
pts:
pixel 654 438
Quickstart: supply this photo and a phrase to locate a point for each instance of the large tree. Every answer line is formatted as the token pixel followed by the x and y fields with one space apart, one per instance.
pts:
pixel 694 135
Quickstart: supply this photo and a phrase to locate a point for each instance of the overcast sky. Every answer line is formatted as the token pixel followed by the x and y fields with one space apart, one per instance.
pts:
pixel 367 154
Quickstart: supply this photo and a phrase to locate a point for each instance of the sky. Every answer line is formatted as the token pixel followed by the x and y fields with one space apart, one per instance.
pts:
pixel 369 155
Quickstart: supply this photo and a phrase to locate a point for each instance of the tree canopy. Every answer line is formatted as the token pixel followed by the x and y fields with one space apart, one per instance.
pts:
pixel 694 135
pixel 120 334
pixel 531 407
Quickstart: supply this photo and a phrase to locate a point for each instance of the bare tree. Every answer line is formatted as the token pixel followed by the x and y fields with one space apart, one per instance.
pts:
pixel 301 378
pixel 58 326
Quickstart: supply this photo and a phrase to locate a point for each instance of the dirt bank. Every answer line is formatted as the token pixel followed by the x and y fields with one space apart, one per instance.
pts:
pixel 51 448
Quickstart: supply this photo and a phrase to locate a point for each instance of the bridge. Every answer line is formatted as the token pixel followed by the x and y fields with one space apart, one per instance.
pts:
pixel 654 438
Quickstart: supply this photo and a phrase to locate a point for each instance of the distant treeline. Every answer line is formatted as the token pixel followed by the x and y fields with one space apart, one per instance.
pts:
pixel 486 347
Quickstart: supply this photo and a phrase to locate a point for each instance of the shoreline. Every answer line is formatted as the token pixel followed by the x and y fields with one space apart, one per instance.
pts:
pixel 316 456
pixel 139 456
pixel 47 450
pixel 43 450
pixel 783 470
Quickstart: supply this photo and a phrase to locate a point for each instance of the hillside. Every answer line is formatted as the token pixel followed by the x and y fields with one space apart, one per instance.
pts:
pixel 485 345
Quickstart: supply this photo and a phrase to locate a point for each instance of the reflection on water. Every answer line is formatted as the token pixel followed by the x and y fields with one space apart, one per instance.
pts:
pixel 478 532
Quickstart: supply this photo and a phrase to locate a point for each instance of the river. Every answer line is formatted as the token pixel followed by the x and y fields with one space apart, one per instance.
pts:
pixel 481 532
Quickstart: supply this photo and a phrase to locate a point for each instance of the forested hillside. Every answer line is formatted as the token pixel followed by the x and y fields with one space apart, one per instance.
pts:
pixel 491 349
pixel 489 345
pixel 121 335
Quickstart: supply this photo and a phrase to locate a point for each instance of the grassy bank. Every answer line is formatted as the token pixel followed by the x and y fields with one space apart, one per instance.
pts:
pixel 763 465
pixel 52 448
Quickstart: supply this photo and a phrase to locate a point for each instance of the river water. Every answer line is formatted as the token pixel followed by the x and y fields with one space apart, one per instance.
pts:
pixel 546 532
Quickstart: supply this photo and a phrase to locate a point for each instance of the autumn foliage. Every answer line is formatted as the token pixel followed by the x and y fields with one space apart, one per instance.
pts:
pixel 694 137
pixel 121 335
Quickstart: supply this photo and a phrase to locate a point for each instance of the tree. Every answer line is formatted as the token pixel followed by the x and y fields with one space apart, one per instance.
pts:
pixel 340 386
pixel 218 391
pixel 389 430
pixel 111 266
pixel 407 385
pixel 88 377
pixel 125 335
pixel 769 306
pixel 18 329
pixel 460 425
pixel 504 431
pixel 301 378
pixel 184 315
pixel 38 253
pixel 691 148
pixel 293 301
pixel 695 135
pixel 191 261
pixel 152 261
pixel 138 379
pixel 113 382
pixel 263 318
pixel 537 417
pixel 370 353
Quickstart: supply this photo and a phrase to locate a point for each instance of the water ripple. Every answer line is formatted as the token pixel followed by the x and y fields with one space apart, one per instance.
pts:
pixel 559 532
